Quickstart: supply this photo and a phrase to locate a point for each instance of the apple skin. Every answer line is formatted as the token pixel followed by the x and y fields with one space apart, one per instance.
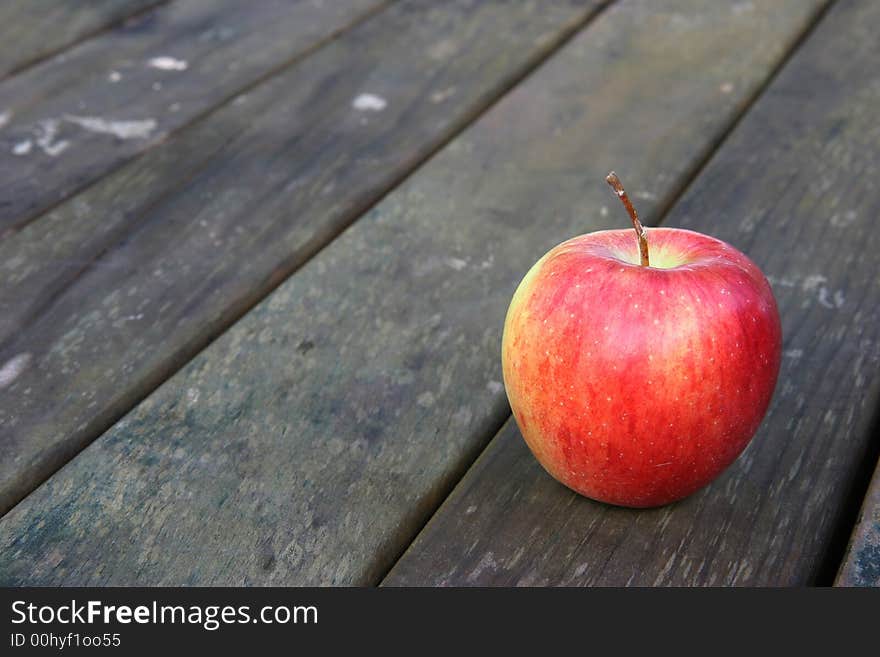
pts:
pixel 634 385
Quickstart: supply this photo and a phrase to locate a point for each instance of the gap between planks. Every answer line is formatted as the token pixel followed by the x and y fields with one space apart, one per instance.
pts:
pixel 207 111
pixel 82 38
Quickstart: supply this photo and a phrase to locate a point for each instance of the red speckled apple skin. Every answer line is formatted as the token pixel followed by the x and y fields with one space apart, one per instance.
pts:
pixel 635 385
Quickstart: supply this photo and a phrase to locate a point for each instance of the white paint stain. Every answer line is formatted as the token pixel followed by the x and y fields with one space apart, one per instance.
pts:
pixel 425 400
pixel 22 147
pixel 46 134
pixel 456 263
pixel 495 387
pixel 121 129
pixel 842 220
pixel 827 299
pixel 13 368
pixel 165 63
pixel 781 282
pixel 5 117
pixel 793 353
pixel 369 103
pixel 726 87
pixel 114 76
pixel 812 282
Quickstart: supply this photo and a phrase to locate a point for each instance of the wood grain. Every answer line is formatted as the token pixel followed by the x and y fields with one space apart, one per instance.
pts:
pixel 311 440
pixel 795 188
pixel 110 293
pixel 861 565
pixel 30 31
pixel 74 118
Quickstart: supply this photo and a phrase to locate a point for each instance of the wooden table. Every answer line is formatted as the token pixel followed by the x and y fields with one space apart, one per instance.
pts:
pixel 255 260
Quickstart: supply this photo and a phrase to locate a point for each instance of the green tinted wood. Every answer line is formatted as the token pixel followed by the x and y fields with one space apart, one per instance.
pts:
pixel 33 29
pixel 795 188
pixel 311 441
pixel 108 294
pixel 73 118
pixel 861 566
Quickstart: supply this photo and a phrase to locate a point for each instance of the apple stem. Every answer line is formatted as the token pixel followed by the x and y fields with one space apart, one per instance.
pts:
pixel 617 186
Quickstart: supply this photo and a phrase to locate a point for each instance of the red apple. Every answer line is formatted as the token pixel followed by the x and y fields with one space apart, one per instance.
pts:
pixel 637 384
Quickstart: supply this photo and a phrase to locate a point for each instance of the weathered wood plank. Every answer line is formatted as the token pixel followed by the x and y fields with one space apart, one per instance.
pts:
pixel 108 294
pixel 861 566
pixel 311 440
pixel 30 31
pixel 795 187
pixel 73 118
